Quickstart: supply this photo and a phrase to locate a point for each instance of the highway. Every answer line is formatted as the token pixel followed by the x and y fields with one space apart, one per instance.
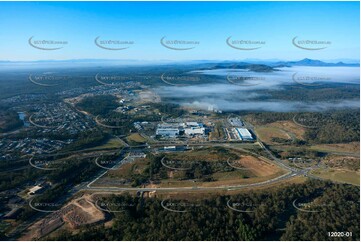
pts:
pixel 291 172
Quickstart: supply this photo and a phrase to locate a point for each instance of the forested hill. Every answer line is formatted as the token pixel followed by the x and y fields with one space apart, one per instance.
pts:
pixel 271 216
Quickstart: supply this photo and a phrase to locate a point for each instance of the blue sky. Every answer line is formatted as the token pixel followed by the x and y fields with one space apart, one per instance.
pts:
pixel 209 23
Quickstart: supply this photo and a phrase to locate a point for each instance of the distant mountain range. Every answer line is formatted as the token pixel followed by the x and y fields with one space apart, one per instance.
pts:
pixel 242 65
pixel 250 64
pixel 272 66
pixel 310 62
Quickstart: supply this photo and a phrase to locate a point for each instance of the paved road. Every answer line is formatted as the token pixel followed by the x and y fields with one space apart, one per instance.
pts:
pixel 291 172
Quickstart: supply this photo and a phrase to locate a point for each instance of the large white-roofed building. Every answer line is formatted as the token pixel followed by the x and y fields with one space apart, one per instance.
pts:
pixel 167 130
pixel 244 134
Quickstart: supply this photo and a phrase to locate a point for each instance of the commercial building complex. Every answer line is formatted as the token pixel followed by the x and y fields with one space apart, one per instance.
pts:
pixel 187 128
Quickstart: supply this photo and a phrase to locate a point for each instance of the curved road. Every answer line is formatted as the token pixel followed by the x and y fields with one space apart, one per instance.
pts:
pixel 292 172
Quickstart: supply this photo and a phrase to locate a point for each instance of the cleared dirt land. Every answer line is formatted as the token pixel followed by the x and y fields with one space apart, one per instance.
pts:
pixel 78 212
pixel 257 166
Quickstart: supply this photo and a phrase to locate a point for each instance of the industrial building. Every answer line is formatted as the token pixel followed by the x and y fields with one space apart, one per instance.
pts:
pixel 187 128
pixel 194 128
pixel 243 134
pixel 167 130
pixel 235 122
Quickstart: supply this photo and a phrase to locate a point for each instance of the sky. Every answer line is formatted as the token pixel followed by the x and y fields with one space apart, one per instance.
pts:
pixel 273 25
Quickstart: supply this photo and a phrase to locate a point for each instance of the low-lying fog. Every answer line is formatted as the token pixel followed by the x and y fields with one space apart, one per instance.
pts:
pixel 244 90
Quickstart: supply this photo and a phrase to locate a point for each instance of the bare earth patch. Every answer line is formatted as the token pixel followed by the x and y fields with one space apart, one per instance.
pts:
pixel 78 212
pixel 257 166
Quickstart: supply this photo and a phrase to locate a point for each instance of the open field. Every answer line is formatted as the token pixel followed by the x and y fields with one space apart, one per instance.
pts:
pixel 136 138
pixel 266 133
pixel 290 127
pixel 199 194
pixel 112 143
pixel 225 179
pixel 127 169
pixel 353 147
pixel 199 168
pixel 339 175
pixel 342 162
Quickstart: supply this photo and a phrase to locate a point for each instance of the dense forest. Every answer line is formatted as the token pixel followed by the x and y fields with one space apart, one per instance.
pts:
pixel 335 127
pixel 98 105
pixel 270 215
pixel 321 127
pixel 172 110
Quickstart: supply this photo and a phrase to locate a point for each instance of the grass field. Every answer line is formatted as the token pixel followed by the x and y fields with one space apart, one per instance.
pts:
pixel 353 147
pixel 290 127
pixel 338 175
pixel 287 130
pixel 266 133
pixel 136 138
pixel 112 143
